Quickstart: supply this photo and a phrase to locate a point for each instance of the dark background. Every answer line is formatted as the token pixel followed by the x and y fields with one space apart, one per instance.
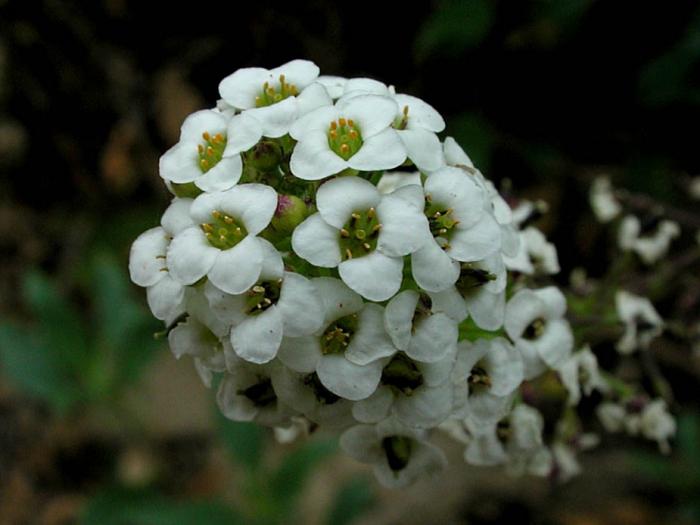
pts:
pixel 542 94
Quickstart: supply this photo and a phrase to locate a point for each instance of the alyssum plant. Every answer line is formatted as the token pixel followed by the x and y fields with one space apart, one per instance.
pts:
pixel 343 268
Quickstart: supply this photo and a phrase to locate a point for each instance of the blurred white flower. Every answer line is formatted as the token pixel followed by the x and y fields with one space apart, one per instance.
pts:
pixel 642 322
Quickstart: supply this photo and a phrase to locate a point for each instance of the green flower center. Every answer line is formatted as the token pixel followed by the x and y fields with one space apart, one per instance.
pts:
pixel 471 278
pixel 261 393
pixel 274 94
pixel 263 295
pixel 344 138
pixel 211 151
pixel 402 375
pixel 322 394
pixel 535 329
pixel 360 234
pixel 223 231
pixel 398 451
pixel 441 221
pixel 337 336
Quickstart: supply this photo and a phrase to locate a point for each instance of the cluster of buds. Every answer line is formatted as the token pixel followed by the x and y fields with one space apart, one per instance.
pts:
pixel 327 258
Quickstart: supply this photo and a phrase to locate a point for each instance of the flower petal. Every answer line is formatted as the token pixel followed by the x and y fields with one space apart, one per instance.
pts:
pixel 426 407
pixel 242 86
pixel 433 339
pixel 272 264
pixel 433 269
pixel 146 262
pixel 317 242
pixel 382 151
pixel 404 228
pixel 453 188
pixel 421 115
pixel 190 256
pixel 375 276
pixel 258 338
pixel 254 204
pixel 423 148
pixel 370 342
pixel 225 174
pixel 477 242
pixel 165 297
pixel 338 300
pixel 450 302
pixel 277 118
pixel 301 354
pixel 375 408
pixel 243 132
pixel 487 309
pixel 372 113
pixel 237 268
pixel 348 380
pixel 313 97
pixel 398 317
pixel 337 199
pixel 177 216
pixel 312 158
pixel 301 309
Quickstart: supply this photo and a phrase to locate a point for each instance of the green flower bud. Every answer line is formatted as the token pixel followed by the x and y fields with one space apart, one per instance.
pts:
pixel 265 155
pixel 291 211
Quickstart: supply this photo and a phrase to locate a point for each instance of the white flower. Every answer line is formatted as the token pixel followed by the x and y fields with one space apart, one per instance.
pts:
pixel 657 424
pixel 354 133
pixel 566 465
pixel 224 246
pixel 275 97
pixel 147 262
pixel 200 335
pixel 486 374
pixel 651 247
pixel 305 393
pixel 581 370
pixel 417 124
pixel 246 394
pixel 208 153
pixel 396 179
pixel 534 322
pixel 399 455
pixel 695 188
pixel 416 393
pixel 603 201
pixel 642 322
pixel 363 233
pixel 279 304
pixel 479 293
pixel 460 228
pixel 612 416
pixel 535 255
pixel 421 333
pixel 347 352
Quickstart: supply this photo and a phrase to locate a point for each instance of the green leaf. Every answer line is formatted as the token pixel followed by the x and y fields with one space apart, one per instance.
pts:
pixel 36 369
pixel 288 481
pixel 119 507
pixel 59 325
pixel 245 441
pixel 454 27
pixel 351 501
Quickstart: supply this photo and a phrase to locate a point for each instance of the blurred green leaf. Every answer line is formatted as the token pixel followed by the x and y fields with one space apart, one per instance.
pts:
pixel 245 441
pixel 119 507
pixel 288 481
pixel 351 501
pixel 58 323
pixel 454 27
pixel 36 368
pixel 474 135
pixel 124 327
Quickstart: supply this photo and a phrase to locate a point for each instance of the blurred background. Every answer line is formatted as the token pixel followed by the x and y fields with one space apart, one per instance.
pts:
pixel 99 424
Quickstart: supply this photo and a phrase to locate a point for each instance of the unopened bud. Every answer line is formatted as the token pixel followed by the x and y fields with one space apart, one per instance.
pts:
pixel 291 211
pixel 265 155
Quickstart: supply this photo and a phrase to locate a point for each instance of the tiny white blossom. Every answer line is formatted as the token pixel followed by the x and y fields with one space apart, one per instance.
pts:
pixel 354 133
pixel 223 246
pixel 612 416
pixel 650 247
pixel 603 202
pixel 535 322
pixel 275 97
pixel 363 233
pixel 536 254
pixel 208 153
pixel 147 262
pixel 642 321
pixel 399 455
pixel 657 424
pixel 581 370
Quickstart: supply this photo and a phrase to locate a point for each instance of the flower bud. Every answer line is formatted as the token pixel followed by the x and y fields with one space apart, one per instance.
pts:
pixel 265 155
pixel 290 212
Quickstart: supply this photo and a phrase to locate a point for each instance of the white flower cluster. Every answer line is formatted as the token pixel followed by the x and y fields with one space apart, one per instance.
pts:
pixel 328 258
